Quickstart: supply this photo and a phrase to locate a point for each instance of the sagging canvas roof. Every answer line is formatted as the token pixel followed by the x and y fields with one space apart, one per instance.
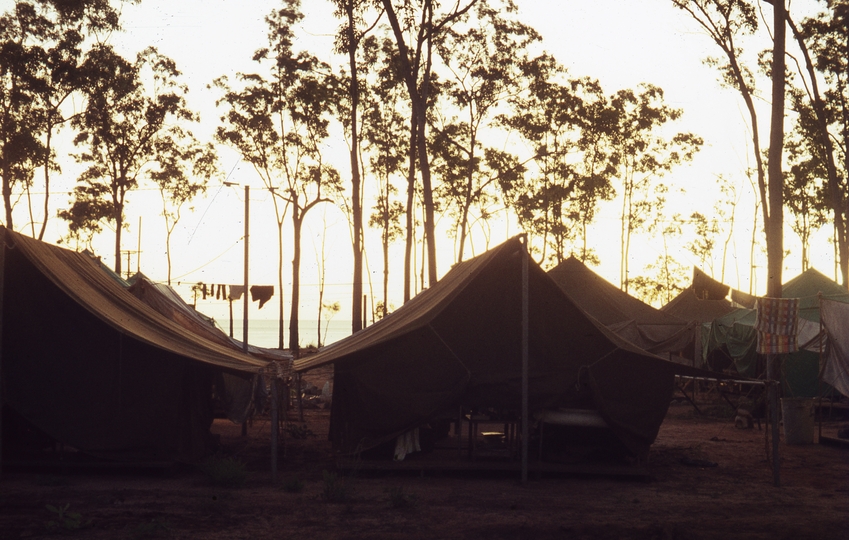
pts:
pixel 689 307
pixel 166 301
pixel 631 319
pixel 459 343
pixel 81 278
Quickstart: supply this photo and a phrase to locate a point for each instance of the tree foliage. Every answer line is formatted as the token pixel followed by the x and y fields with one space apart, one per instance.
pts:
pixel 278 121
pixel 134 121
pixel 41 46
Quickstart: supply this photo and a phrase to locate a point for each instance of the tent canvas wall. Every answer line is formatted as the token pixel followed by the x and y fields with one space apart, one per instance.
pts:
pixel 634 320
pixel 91 366
pixel 699 304
pixel 458 343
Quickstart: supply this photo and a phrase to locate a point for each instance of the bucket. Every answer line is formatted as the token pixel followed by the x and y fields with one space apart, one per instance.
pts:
pixel 798 416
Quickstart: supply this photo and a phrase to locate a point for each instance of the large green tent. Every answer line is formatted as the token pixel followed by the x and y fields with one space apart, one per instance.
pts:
pixel 732 338
pixel 458 344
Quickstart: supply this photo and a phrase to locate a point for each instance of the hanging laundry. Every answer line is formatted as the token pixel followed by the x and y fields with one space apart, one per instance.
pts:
pixel 236 292
pixel 204 290
pixel 777 325
pixel 262 293
pixel 221 293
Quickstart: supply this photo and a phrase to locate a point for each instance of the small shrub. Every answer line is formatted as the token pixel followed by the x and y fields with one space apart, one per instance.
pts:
pixel 398 499
pixel 335 490
pixel 64 520
pixel 293 485
pixel 298 432
pixel 225 472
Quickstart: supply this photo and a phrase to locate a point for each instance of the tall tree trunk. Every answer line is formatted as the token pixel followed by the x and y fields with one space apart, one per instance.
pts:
pixel 297 222
pixel 418 102
pixel 357 289
pixel 46 183
pixel 281 341
pixel 410 217
pixel 7 195
pixel 775 236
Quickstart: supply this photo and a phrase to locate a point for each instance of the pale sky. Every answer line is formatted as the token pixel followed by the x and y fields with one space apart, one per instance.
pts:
pixel 620 42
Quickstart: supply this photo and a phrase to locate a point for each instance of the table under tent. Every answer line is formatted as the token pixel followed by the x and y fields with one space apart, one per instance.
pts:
pixel 453 356
pixel 88 367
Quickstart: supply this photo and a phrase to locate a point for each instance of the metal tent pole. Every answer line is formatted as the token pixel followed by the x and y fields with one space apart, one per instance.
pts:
pixel 2 283
pixel 525 292
pixel 247 254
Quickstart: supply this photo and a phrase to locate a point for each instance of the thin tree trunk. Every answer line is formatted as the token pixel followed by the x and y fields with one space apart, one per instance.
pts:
pixel 297 221
pixel 775 236
pixel 410 217
pixel 357 289
pixel 46 183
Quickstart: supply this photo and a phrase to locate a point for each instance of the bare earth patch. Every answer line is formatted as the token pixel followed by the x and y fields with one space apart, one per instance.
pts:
pixel 734 499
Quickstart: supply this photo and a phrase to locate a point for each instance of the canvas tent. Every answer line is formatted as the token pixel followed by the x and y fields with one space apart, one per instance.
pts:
pixel 835 370
pixel 236 395
pixel 702 301
pixel 89 365
pixel 634 320
pixel 699 304
pixel 732 338
pixel 458 344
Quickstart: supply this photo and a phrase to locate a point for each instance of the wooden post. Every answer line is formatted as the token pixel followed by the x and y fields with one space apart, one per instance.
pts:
pixel 275 429
pixel 772 391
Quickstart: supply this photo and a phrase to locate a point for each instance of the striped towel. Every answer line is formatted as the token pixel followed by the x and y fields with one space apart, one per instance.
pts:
pixel 777 325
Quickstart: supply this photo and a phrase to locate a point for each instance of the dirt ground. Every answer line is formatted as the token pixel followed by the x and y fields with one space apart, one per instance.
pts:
pixel 684 496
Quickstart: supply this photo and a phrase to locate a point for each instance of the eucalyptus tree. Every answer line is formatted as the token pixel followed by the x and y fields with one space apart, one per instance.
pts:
pixel 417 27
pixel 41 45
pixel 278 121
pixel 567 123
pixel 134 119
pixel 348 42
pixel 384 131
pixel 178 183
pixel 643 154
pixel 665 277
pixel 705 232
pixel 481 55
pixel 806 182
pixel 823 124
pixel 726 22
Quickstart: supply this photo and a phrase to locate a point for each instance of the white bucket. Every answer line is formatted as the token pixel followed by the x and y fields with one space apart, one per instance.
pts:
pixel 799 422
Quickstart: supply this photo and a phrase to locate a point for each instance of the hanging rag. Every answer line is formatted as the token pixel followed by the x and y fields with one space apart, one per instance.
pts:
pixel 407 443
pixel 777 325
pixel 261 293
pixel 204 290
pixel 236 292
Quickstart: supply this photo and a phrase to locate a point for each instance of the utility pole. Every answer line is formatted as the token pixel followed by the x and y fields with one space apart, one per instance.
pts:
pixel 246 303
